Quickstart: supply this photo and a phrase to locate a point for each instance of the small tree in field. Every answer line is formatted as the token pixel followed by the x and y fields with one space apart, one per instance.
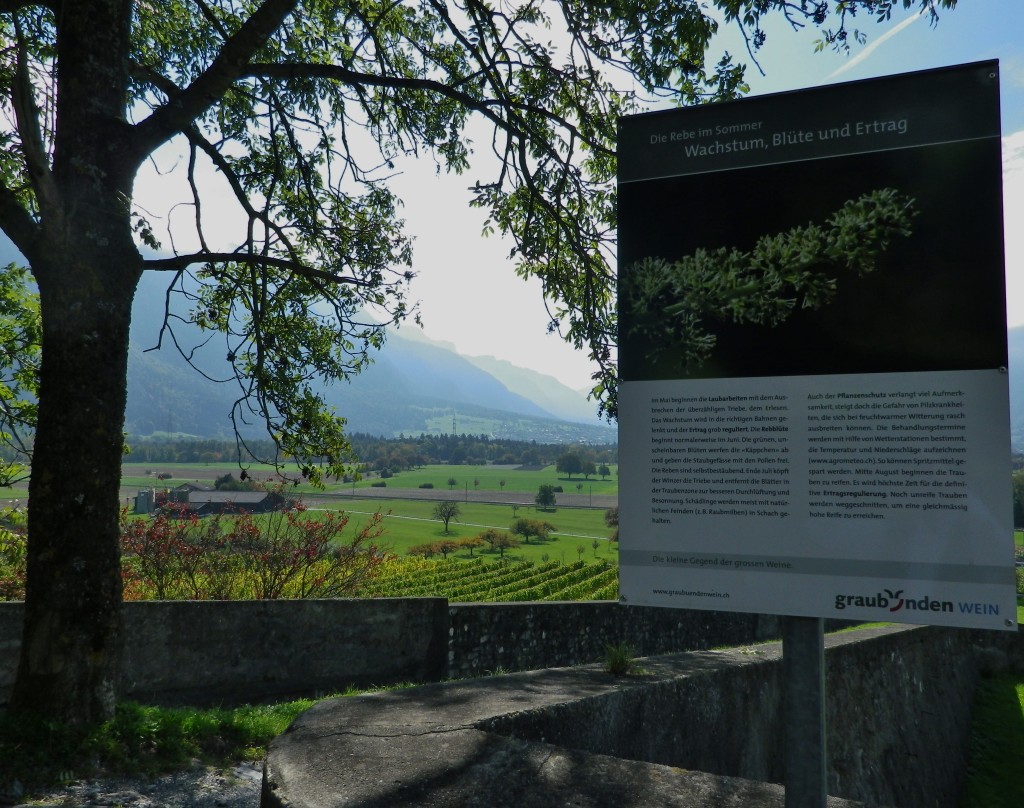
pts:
pixel 445 512
pixel 498 540
pixel 604 471
pixel 452 482
pixel 532 528
pixel 505 542
pixel 446 546
pixel 545 498
pixel 471 543
pixel 569 463
pixel 580 550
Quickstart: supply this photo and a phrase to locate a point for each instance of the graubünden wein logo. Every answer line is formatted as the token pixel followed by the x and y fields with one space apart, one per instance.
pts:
pixel 894 602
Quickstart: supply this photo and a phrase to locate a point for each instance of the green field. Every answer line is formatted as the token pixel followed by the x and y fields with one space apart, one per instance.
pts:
pixel 410 522
pixel 468 478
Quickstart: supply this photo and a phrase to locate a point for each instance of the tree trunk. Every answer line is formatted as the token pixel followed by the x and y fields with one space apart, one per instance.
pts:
pixel 70 644
pixel 86 267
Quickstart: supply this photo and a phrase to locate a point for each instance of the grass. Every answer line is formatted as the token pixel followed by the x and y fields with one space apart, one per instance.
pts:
pixel 139 740
pixel 995 776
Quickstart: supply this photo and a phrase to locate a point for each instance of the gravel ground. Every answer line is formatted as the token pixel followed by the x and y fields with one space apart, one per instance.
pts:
pixel 234 787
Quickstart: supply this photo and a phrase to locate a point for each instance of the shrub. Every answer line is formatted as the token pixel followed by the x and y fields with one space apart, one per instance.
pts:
pixel 239 556
pixel 557 489
pixel 380 484
pixel 426 485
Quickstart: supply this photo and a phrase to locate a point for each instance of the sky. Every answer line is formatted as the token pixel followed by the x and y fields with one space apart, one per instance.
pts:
pixel 469 293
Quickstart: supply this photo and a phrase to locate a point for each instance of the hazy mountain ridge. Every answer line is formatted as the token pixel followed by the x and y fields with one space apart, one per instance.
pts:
pixel 414 385
pixel 417 387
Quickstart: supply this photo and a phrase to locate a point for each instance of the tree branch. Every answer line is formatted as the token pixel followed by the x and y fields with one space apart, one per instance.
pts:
pixel 176 263
pixel 27 115
pixel 17 222
pixel 188 105
pixel 291 70
pixel 11 6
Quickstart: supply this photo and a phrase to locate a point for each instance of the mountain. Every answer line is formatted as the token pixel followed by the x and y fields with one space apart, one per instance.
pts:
pixel 414 386
pixel 544 390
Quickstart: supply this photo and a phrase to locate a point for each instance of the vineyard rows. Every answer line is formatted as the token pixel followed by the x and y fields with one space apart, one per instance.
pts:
pixel 481 582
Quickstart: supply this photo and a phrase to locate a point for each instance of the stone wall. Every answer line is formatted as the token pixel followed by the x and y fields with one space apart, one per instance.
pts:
pixel 231 652
pixel 899 703
pixel 485 637
pixel 236 651
pixel 702 729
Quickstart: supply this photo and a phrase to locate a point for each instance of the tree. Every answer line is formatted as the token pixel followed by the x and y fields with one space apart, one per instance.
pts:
pixel 545 496
pixel 498 540
pixel 569 463
pixel 446 511
pixel 604 471
pixel 532 528
pixel 471 543
pixel 301 108
pixel 452 482
pixel 503 542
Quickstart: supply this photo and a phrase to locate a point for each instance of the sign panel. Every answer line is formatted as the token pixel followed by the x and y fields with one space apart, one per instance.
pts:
pixel 813 408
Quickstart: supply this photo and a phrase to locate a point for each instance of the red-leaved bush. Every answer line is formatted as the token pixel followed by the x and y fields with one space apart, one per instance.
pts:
pixel 240 556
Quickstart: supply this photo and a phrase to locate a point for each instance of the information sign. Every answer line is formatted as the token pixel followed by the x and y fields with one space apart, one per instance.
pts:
pixel 814 398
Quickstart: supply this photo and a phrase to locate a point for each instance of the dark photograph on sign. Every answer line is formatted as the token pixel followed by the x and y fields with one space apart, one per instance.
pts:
pixel 843 265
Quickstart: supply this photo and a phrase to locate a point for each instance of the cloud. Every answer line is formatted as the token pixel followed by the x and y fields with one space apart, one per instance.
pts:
pixel 875 45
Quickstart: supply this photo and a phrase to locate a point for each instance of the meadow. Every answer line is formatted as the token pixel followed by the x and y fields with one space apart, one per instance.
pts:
pixel 411 522
pixel 467 478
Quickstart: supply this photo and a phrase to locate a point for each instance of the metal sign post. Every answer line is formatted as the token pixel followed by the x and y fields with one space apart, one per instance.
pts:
pixel 803 711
